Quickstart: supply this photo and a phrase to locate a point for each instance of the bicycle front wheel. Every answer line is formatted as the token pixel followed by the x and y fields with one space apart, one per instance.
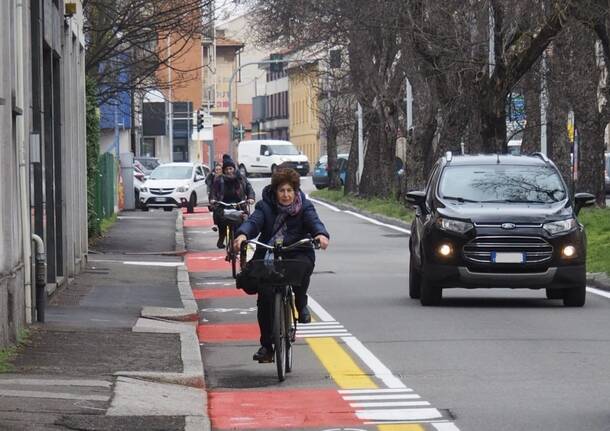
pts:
pixel 279 335
pixel 231 253
pixel 290 330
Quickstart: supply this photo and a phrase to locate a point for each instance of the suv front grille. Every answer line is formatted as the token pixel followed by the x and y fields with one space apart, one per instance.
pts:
pixel 534 249
pixel 161 192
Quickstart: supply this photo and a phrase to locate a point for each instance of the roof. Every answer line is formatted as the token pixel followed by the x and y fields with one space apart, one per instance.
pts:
pixel 223 41
pixel 492 159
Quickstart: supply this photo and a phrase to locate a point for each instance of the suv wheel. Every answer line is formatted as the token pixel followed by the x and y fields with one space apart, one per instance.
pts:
pixel 575 297
pixel 429 294
pixel 414 280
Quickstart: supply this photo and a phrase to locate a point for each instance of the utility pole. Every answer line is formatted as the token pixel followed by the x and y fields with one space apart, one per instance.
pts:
pixel 170 109
pixel 360 144
pixel 544 103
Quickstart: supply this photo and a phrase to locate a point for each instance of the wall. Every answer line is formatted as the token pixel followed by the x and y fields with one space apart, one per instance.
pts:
pixel 303 113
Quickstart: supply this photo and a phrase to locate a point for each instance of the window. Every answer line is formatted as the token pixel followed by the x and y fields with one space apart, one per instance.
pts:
pixel 263 149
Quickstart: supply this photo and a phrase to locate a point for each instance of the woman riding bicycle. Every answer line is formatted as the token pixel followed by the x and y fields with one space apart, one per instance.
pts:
pixel 284 215
pixel 229 188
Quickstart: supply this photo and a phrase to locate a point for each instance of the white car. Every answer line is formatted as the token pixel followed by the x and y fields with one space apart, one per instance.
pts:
pixel 174 185
pixel 263 157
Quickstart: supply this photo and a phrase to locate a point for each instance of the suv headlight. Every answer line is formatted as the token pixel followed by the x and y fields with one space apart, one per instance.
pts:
pixel 143 189
pixel 456 226
pixel 182 189
pixel 560 226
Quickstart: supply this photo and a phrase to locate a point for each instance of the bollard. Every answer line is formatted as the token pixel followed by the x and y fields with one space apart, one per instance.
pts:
pixel 41 278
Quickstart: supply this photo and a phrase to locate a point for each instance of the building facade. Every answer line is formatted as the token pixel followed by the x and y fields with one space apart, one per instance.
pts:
pixel 42 152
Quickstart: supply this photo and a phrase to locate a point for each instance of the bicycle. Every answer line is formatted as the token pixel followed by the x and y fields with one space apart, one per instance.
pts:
pixel 233 216
pixel 277 276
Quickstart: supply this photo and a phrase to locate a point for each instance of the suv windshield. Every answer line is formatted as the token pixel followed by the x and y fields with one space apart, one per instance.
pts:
pixel 148 163
pixel 165 172
pixel 283 150
pixel 502 183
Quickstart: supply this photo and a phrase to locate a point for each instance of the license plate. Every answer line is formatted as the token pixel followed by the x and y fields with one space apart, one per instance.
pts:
pixel 160 199
pixel 507 257
pixel 299 166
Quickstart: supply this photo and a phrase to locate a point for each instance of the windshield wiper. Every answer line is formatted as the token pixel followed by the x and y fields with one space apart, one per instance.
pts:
pixel 514 201
pixel 460 199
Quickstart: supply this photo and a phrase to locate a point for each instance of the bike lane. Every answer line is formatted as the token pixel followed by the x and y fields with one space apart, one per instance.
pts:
pixel 336 384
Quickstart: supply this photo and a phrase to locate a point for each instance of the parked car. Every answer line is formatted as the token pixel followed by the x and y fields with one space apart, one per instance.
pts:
pixel 497 221
pixel 138 181
pixel 320 170
pixel 265 156
pixel 174 185
pixel 146 164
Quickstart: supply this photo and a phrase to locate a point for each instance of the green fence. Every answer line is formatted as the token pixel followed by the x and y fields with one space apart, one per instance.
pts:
pixel 105 187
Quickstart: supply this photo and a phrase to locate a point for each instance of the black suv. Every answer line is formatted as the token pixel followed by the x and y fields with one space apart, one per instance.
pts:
pixel 497 221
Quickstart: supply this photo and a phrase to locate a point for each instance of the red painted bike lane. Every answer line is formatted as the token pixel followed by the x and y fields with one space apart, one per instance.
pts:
pixel 265 409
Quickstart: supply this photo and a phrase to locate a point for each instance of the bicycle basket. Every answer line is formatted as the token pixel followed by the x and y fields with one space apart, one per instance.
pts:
pixel 286 271
pixel 233 216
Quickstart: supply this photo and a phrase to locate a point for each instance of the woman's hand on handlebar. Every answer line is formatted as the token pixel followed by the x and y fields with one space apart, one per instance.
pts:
pixel 250 201
pixel 323 241
pixel 237 242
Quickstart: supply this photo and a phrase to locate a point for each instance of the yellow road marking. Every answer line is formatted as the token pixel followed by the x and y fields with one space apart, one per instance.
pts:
pixel 341 367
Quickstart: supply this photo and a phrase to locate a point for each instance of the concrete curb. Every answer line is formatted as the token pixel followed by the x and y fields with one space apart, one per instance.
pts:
pixel 599 280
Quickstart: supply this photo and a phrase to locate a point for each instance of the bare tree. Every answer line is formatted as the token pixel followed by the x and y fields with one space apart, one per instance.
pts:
pixel 129 40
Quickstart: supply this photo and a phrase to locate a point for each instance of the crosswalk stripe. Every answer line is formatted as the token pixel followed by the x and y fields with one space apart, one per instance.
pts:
pixel 380 397
pixel 398 414
pixel 367 391
pixel 327 334
pixel 391 404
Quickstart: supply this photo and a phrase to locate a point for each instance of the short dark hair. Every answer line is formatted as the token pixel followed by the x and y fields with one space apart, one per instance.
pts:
pixel 285 176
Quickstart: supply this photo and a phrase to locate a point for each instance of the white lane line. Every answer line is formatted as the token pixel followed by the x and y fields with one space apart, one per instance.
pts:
pixel 377 222
pixel 398 414
pixel 323 324
pixel 52 395
pixel 381 371
pixel 321 331
pixel 324 204
pixel 381 397
pixel 391 404
pixel 374 391
pixel 322 335
pixel 445 426
pixel 598 292
pixel 322 314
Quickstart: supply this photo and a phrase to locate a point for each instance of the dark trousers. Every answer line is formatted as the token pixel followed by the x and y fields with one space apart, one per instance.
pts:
pixel 265 303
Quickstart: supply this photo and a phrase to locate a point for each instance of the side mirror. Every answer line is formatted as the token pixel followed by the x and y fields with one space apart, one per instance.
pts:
pixel 582 200
pixel 266 153
pixel 416 198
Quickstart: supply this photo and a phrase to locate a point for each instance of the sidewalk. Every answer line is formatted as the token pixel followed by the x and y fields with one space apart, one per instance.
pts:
pixel 118 350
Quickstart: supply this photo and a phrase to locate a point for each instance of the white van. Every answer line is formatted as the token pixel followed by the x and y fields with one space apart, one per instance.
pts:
pixel 264 156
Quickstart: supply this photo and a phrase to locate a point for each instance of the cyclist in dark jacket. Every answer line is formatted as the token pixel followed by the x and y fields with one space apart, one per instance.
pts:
pixel 283 215
pixel 229 188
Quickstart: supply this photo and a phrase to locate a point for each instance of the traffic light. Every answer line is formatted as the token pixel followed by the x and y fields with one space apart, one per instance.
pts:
pixel 276 67
pixel 199 120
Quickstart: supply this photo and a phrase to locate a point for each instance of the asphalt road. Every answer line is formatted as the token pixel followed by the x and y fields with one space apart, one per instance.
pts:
pixel 483 360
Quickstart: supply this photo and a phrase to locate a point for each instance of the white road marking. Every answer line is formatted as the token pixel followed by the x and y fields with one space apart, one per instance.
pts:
pixel 398 414
pixel 321 331
pixel 168 264
pixel 391 404
pixel 52 395
pixel 228 310
pixel 330 334
pixel 320 312
pixel 445 426
pixel 373 391
pixel 53 382
pixel 377 222
pixel 381 397
pixel 381 371
pixel 324 204
pixel 598 292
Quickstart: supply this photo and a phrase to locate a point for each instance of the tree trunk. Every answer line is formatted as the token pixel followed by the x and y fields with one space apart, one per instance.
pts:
pixel 493 122
pixel 334 183
pixel 531 89
pixel 591 160
pixel 351 186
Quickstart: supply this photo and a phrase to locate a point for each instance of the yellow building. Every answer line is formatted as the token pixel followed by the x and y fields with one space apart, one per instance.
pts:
pixel 303 110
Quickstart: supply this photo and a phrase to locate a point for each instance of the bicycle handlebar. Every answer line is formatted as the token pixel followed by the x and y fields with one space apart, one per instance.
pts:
pixel 229 205
pixel 280 248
